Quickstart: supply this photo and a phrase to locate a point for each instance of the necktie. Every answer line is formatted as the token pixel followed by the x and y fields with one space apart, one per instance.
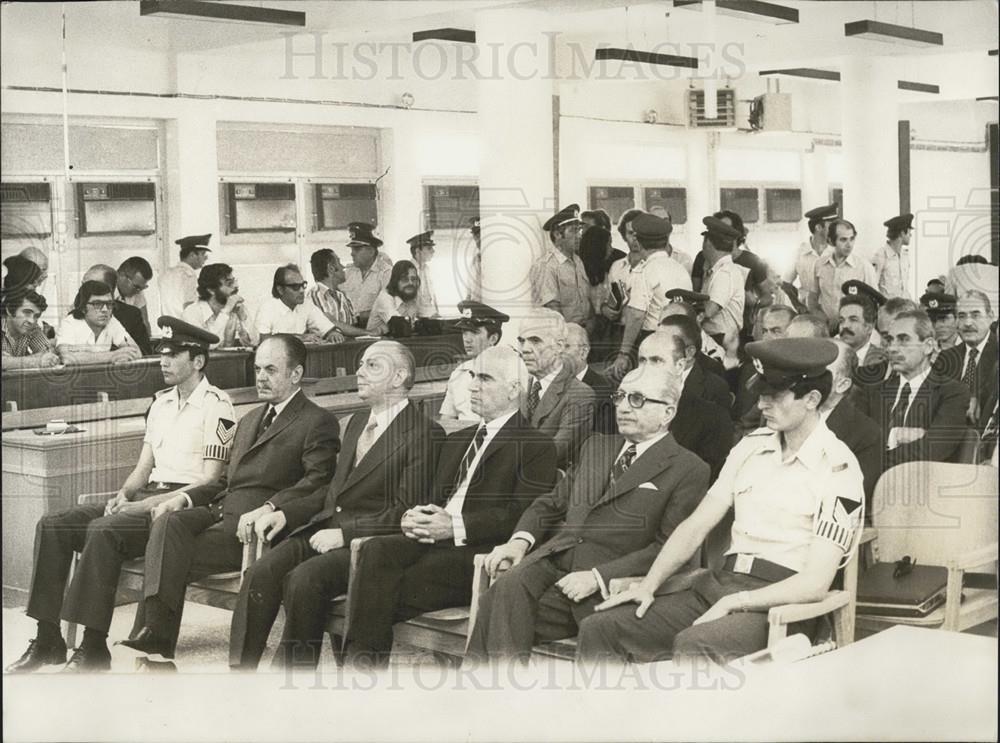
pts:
pixel 969 378
pixel 534 396
pixel 898 416
pixel 988 440
pixel 365 440
pixel 470 454
pixel 268 420
pixel 624 462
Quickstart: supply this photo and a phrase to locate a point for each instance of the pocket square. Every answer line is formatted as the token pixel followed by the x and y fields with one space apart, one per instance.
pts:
pixel 648 486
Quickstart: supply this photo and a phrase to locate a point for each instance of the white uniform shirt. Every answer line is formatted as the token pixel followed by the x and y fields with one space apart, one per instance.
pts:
pixel 178 288
pixel 725 285
pixel 654 277
pixel 274 316
pixel 457 401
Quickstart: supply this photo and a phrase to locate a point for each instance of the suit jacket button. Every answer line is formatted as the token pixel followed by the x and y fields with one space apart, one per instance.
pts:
pixel 338 509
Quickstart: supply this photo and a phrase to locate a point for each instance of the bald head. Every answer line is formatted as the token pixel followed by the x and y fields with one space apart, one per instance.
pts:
pixel 842 369
pixel 37 257
pixel 104 274
pixel 663 349
pixel 577 347
pixel 656 392
pixel 385 374
pixel 807 326
pixel 499 382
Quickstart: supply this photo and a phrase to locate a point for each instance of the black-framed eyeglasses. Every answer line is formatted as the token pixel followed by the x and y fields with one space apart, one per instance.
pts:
pixel 101 305
pixel 635 399
pixel 296 287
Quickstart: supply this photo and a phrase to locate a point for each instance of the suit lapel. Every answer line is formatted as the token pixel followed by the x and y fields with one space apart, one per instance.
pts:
pixel 245 433
pixel 652 462
pixel 695 384
pixel 386 444
pixel 507 433
pixel 283 418
pixel 552 396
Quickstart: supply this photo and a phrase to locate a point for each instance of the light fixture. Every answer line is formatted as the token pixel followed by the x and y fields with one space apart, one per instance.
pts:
pixel 649 116
pixel 461 35
pixel 809 73
pixel 890 32
pixel 199 10
pixel 918 87
pixel 750 10
pixel 407 100
pixel 635 55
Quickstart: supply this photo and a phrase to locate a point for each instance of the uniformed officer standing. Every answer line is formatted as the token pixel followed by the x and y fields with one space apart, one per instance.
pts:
pixel 724 281
pixel 558 279
pixel 422 250
pixel 481 327
pixel 369 273
pixel 892 261
pixel 189 431
pixel 798 497
pixel 179 285
pixel 810 251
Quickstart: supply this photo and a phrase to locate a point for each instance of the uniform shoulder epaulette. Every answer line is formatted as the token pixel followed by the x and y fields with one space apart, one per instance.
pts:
pixel 221 394
pixel 762 431
pixel 160 393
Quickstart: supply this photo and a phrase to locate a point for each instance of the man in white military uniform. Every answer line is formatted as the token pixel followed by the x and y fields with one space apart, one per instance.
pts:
pixel 892 260
pixel 179 285
pixel 481 327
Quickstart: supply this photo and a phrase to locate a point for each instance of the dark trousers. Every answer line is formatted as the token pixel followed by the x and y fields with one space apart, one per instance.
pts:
pixel 294 575
pixel 667 630
pixel 398 578
pixel 525 607
pixel 183 546
pixel 104 544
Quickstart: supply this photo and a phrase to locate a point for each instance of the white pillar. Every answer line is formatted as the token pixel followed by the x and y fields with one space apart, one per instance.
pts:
pixel 702 187
pixel 516 175
pixel 192 179
pixel 871 158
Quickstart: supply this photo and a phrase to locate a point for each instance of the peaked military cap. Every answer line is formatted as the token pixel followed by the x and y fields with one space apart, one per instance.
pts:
pixel 362 236
pixel 565 216
pixel 695 299
pixel 178 335
pixel 193 242
pixel 652 228
pixel 825 213
pixel 476 315
pixel 901 223
pixel 423 240
pixel 782 362
pixel 856 288
pixel 938 303
pixel 717 228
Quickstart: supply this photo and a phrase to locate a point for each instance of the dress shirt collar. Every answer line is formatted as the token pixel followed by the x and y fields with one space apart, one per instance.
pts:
pixel 545 381
pixel 384 418
pixel 284 403
pixel 916 382
pixel 641 446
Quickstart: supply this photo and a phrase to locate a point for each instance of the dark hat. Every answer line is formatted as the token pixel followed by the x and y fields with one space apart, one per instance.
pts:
pixel 717 228
pixel 856 288
pixel 474 225
pixel 825 213
pixel 362 236
pixel 938 303
pixel 568 215
pixel 652 228
pixel 683 295
pixel 423 240
pixel 179 335
pixel 782 362
pixel 935 282
pixel 902 223
pixel 194 242
pixel 476 315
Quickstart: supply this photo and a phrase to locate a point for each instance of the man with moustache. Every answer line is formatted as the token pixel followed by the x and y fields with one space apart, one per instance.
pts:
pixel 974 362
pixel 486 476
pixel 220 309
pixel 606 520
pixel 385 468
pixel 288 312
pixel 397 300
pixel 858 313
pixel 282 451
pixel 836 266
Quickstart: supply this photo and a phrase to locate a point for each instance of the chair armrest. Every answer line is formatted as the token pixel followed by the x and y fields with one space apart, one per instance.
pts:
pixel 252 551
pixel 94 499
pixel 790 613
pixel 480 582
pixel 975 558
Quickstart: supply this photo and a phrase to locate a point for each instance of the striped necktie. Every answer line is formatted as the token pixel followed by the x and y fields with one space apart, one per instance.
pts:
pixel 470 454
pixel 969 377
pixel 534 397
pixel 898 415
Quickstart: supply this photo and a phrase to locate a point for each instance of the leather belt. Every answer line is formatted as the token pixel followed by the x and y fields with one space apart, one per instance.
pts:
pixel 757 567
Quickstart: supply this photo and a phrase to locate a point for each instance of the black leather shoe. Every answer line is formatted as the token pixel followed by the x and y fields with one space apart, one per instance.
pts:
pixel 88 660
pixel 147 641
pixel 38 655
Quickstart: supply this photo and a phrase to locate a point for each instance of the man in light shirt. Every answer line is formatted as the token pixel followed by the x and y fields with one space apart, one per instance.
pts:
pixel 810 251
pixel 558 279
pixel 422 251
pixel 220 309
pixel 481 327
pixel 837 266
pixel 288 312
pixel 486 476
pixel 724 281
pixel 892 260
pixel 369 272
pixel 179 284
pixel 329 274
pixel 91 334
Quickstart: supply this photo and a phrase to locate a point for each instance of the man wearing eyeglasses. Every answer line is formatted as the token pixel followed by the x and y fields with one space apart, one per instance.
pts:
pixel 798 498
pixel 134 275
pixel 607 519
pixel 288 311
pixel 91 334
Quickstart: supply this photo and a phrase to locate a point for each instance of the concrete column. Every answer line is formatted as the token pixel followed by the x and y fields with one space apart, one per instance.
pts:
pixel 871 159
pixel 516 190
pixel 702 187
pixel 192 178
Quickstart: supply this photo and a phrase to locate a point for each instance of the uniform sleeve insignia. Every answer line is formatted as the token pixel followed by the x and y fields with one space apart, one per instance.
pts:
pixel 849 504
pixel 225 431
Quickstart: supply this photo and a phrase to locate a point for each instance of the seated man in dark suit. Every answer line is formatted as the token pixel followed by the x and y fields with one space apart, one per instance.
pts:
pixel 858 431
pixel 385 468
pixel 698 382
pixel 557 403
pixel 486 476
pixel 282 451
pixel 921 412
pixel 577 351
pixel 606 519
pixel 700 426
pixel 974 361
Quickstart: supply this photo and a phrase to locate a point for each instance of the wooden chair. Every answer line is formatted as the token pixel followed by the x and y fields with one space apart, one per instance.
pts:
pixel 219 590
pixel 940 514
